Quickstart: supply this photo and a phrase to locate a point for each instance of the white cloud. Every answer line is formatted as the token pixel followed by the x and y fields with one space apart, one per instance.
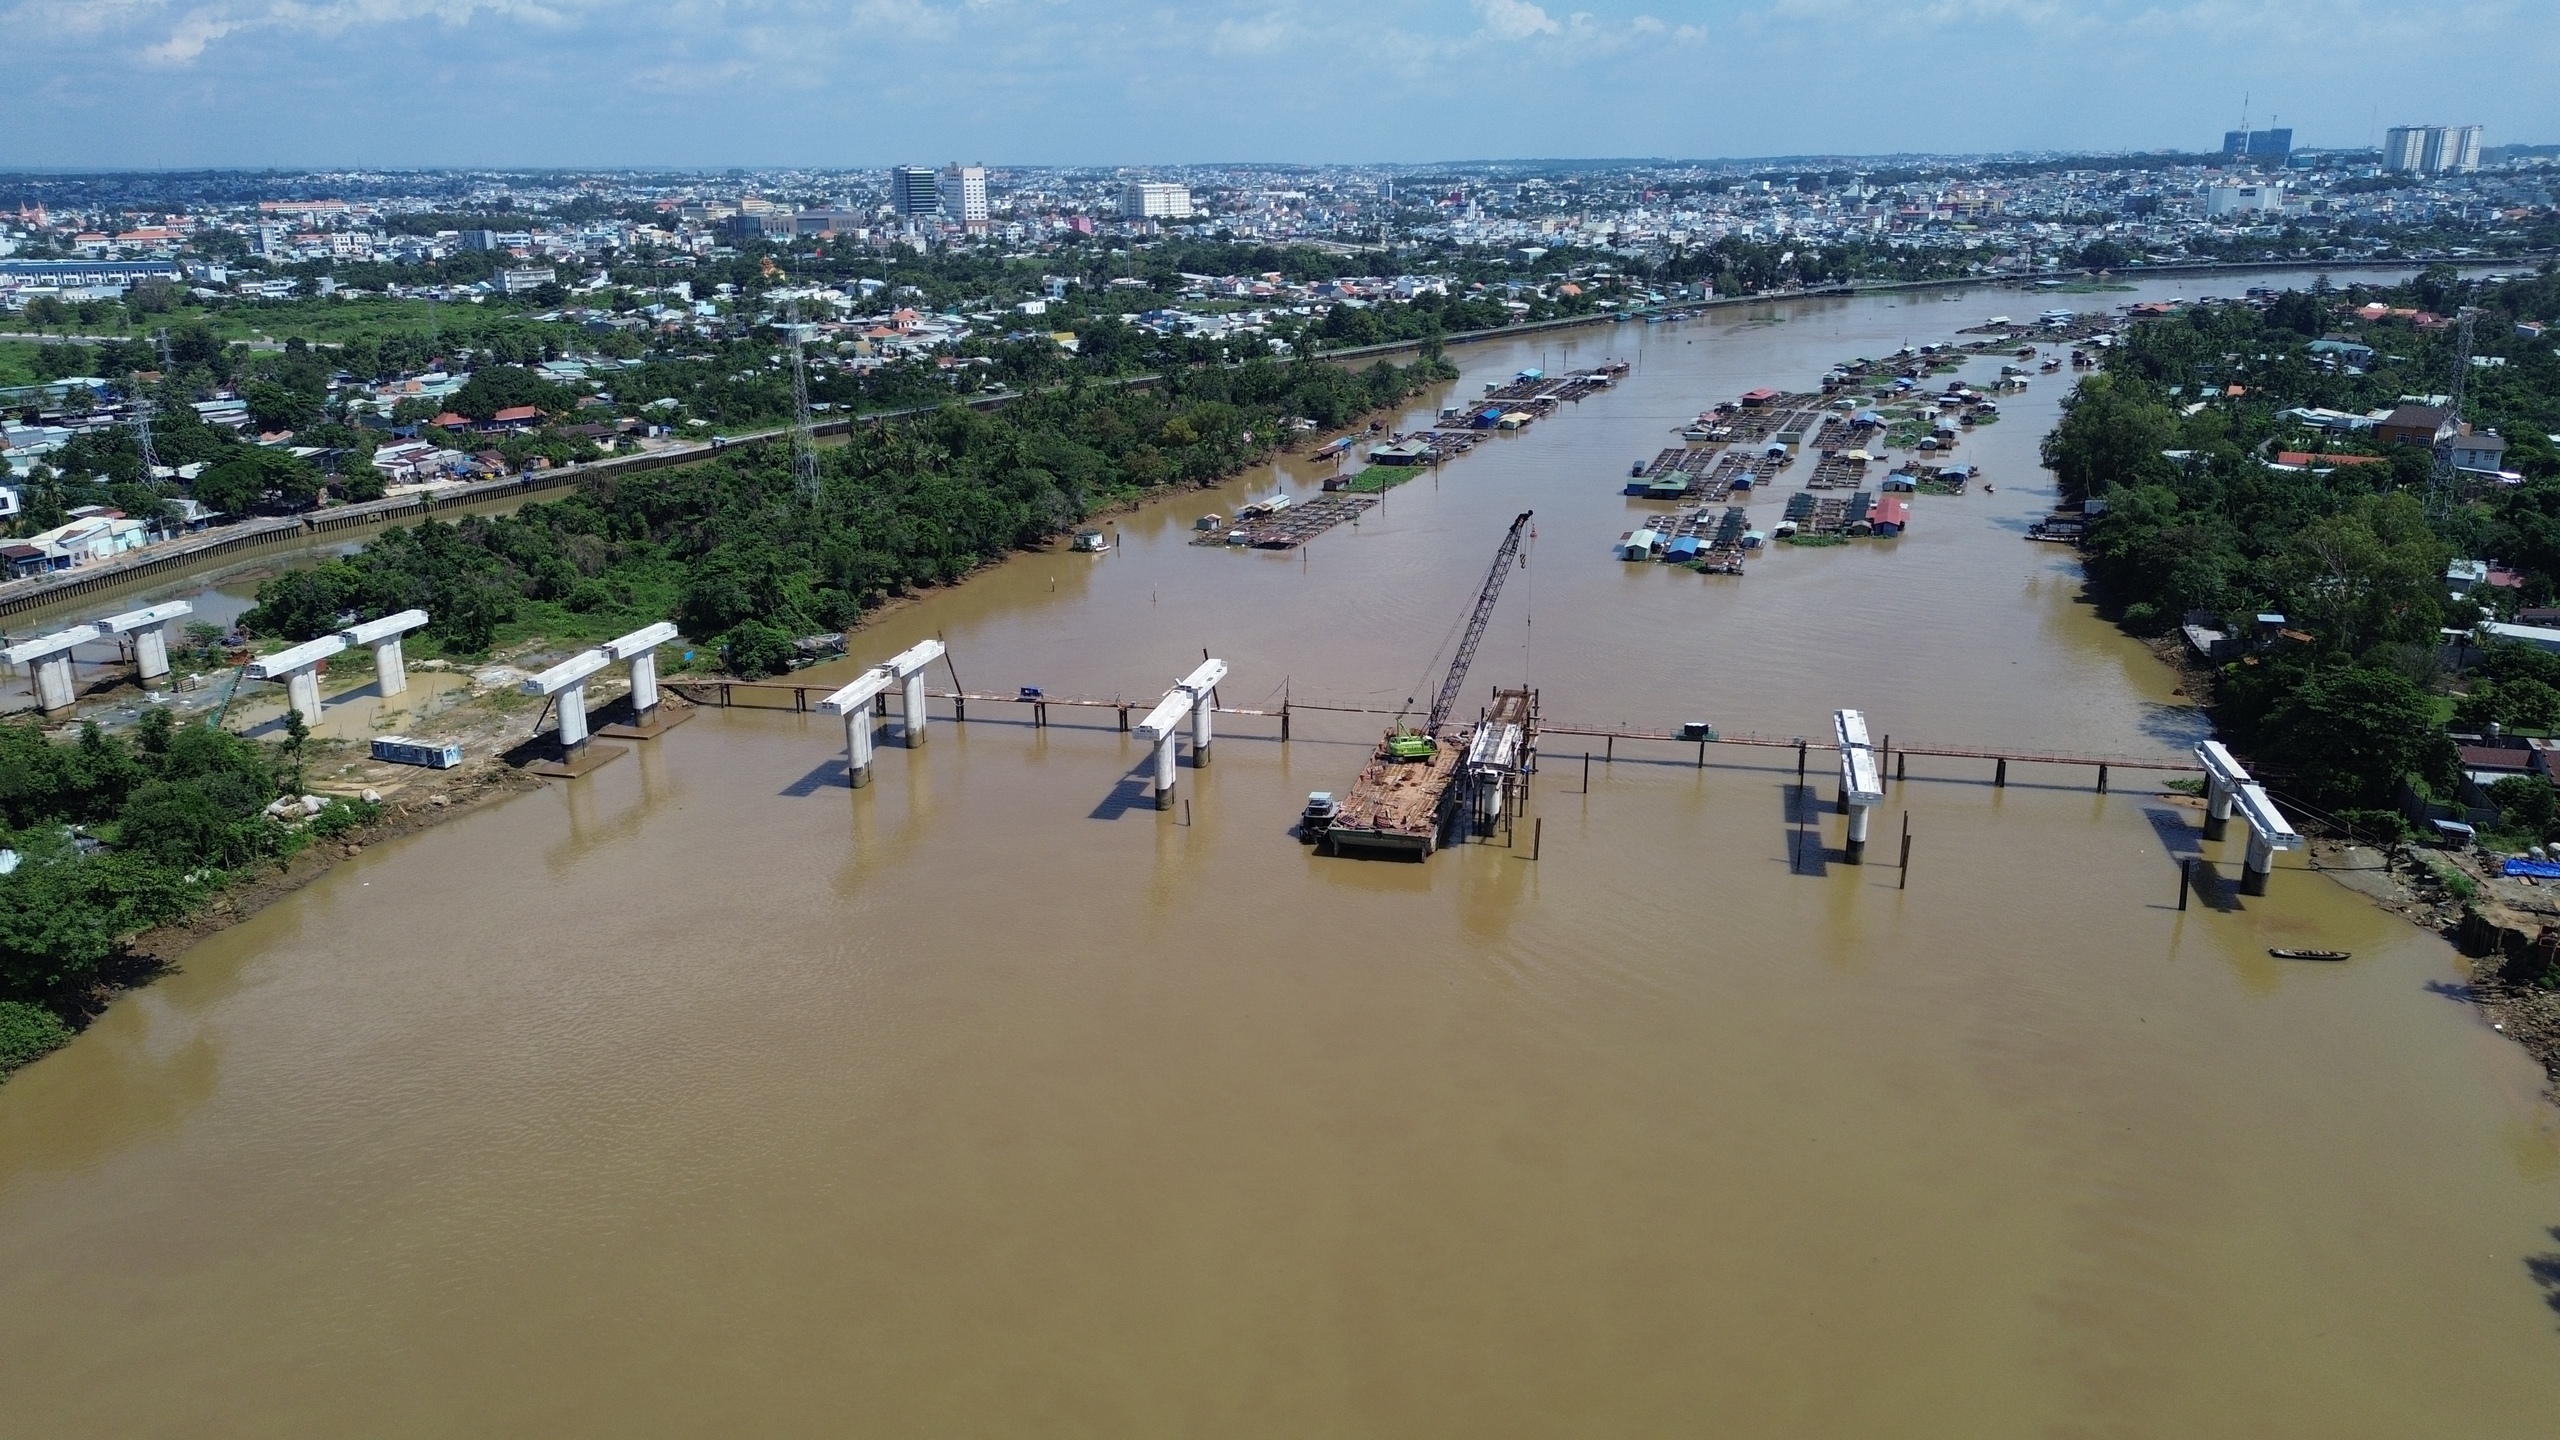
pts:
pixel 1254 36
pixel 1515 19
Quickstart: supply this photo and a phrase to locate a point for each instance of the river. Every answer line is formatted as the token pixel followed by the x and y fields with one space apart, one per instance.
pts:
pixel 706 1095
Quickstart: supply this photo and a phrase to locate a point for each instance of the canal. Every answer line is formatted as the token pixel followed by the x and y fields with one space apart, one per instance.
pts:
pixel 706 1094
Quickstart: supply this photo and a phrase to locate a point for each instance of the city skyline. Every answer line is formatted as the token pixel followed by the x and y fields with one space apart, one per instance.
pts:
pixel 585 83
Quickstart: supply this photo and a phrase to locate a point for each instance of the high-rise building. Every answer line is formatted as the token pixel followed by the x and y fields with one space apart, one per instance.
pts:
pixel 2258 147
pixel 912 191
pixel 963 190
pixel 2462 150
pixel 2431 149
pixel 1148 201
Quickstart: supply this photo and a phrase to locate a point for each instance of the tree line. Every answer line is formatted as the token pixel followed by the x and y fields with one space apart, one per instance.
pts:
pixel 746 561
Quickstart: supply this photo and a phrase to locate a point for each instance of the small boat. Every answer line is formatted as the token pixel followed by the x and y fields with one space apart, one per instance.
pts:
pixel 2309 954
pixel 1318 817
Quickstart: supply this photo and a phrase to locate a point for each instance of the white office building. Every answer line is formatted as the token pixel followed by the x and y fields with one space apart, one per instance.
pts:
pixel 963 192
pixel 1149 201
pixel 2243 199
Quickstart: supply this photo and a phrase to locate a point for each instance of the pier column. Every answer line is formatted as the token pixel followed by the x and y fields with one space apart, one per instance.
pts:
pixel 644 684
pixel 390 658
pixel 639 650
pixel 857 745
pixel 1164 771
pixel 914 700
pixel 573 718
pixel 53 682
pixel 857 703
pixel 150 631
pixel 302 694
pixel 48 662
pixel 1858 834
pixel 390 667
pixel 2262 860
pixel 151 652
pixel 2217 808
pixel 1200 733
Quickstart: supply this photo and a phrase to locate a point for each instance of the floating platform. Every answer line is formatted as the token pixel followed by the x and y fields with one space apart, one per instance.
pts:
pixel 1401 807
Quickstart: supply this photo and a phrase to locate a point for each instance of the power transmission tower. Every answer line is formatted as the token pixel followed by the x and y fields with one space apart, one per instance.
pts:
pixel 2443 482
pixel 142 412
pixel 804 435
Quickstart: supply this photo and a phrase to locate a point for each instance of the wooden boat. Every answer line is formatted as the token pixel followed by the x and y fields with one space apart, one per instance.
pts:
pixel 2309 954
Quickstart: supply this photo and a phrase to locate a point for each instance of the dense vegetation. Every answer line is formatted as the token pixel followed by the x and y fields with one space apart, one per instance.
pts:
pixel 115 836
pixel 2174 441
pixel 737 554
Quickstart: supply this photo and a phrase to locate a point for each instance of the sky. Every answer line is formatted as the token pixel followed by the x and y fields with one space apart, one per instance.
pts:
pixel 160 84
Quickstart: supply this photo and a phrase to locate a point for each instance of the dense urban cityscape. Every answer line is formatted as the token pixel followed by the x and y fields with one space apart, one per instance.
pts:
pixel 656 306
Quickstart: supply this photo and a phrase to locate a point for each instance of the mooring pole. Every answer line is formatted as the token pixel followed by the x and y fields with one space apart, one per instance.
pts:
pixel 959 707
pixel 1586 772
pixel 1284 722
pixel 1888 750
pixel 1702 754
pixel 2000 777
pixel 2186 879
pixel 1612 756
pixel 1897 769
pixel 1537 837
pixel 2102 779
pixel 1799 764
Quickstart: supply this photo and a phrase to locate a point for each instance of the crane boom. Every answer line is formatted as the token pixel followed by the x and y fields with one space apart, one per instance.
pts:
pixel 1466 655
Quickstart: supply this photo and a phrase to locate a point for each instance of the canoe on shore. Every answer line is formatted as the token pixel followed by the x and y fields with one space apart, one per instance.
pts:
pixel 2309 954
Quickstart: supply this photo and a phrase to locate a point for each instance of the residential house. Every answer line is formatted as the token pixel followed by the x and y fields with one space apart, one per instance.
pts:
pixel 2485 452
pixel 2424 426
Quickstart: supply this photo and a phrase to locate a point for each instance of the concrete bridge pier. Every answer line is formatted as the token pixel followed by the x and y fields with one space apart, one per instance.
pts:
pixel 1166 775
pixel 912 724
pixel 639 650
pixel 2223 777
pixel 2269 832
pixel 2260 864
pixel 299 668
pixel 1862 790
pixel 48 658
pixel 149 628
pixel 390 662
pixel 1162 728
pixel 858 703
pixel 565 684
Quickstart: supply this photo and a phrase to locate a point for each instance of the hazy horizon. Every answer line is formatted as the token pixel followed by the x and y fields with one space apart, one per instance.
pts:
pixel 690 84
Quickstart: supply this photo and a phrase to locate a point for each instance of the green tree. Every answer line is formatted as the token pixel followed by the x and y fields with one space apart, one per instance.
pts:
pixel 2351 733
pixel 2527 806
pixel 274 406
pixel 2110 439
pixel 241 484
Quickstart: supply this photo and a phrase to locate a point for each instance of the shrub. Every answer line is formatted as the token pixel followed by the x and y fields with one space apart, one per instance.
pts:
pixel 27 1031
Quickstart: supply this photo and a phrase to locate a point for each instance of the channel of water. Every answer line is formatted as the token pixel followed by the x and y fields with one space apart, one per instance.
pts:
pixel 707 1094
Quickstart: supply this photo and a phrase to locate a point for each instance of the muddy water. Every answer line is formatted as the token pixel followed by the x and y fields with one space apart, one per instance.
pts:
pixel 707 1095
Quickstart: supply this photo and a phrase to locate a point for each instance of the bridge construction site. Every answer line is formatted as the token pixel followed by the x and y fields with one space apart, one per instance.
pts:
pixel 1430 784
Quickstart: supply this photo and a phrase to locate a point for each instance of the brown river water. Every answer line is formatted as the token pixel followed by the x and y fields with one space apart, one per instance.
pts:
pixel 705 1095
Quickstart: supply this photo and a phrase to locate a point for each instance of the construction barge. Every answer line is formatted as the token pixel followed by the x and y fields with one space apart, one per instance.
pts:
pixel 1423 784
